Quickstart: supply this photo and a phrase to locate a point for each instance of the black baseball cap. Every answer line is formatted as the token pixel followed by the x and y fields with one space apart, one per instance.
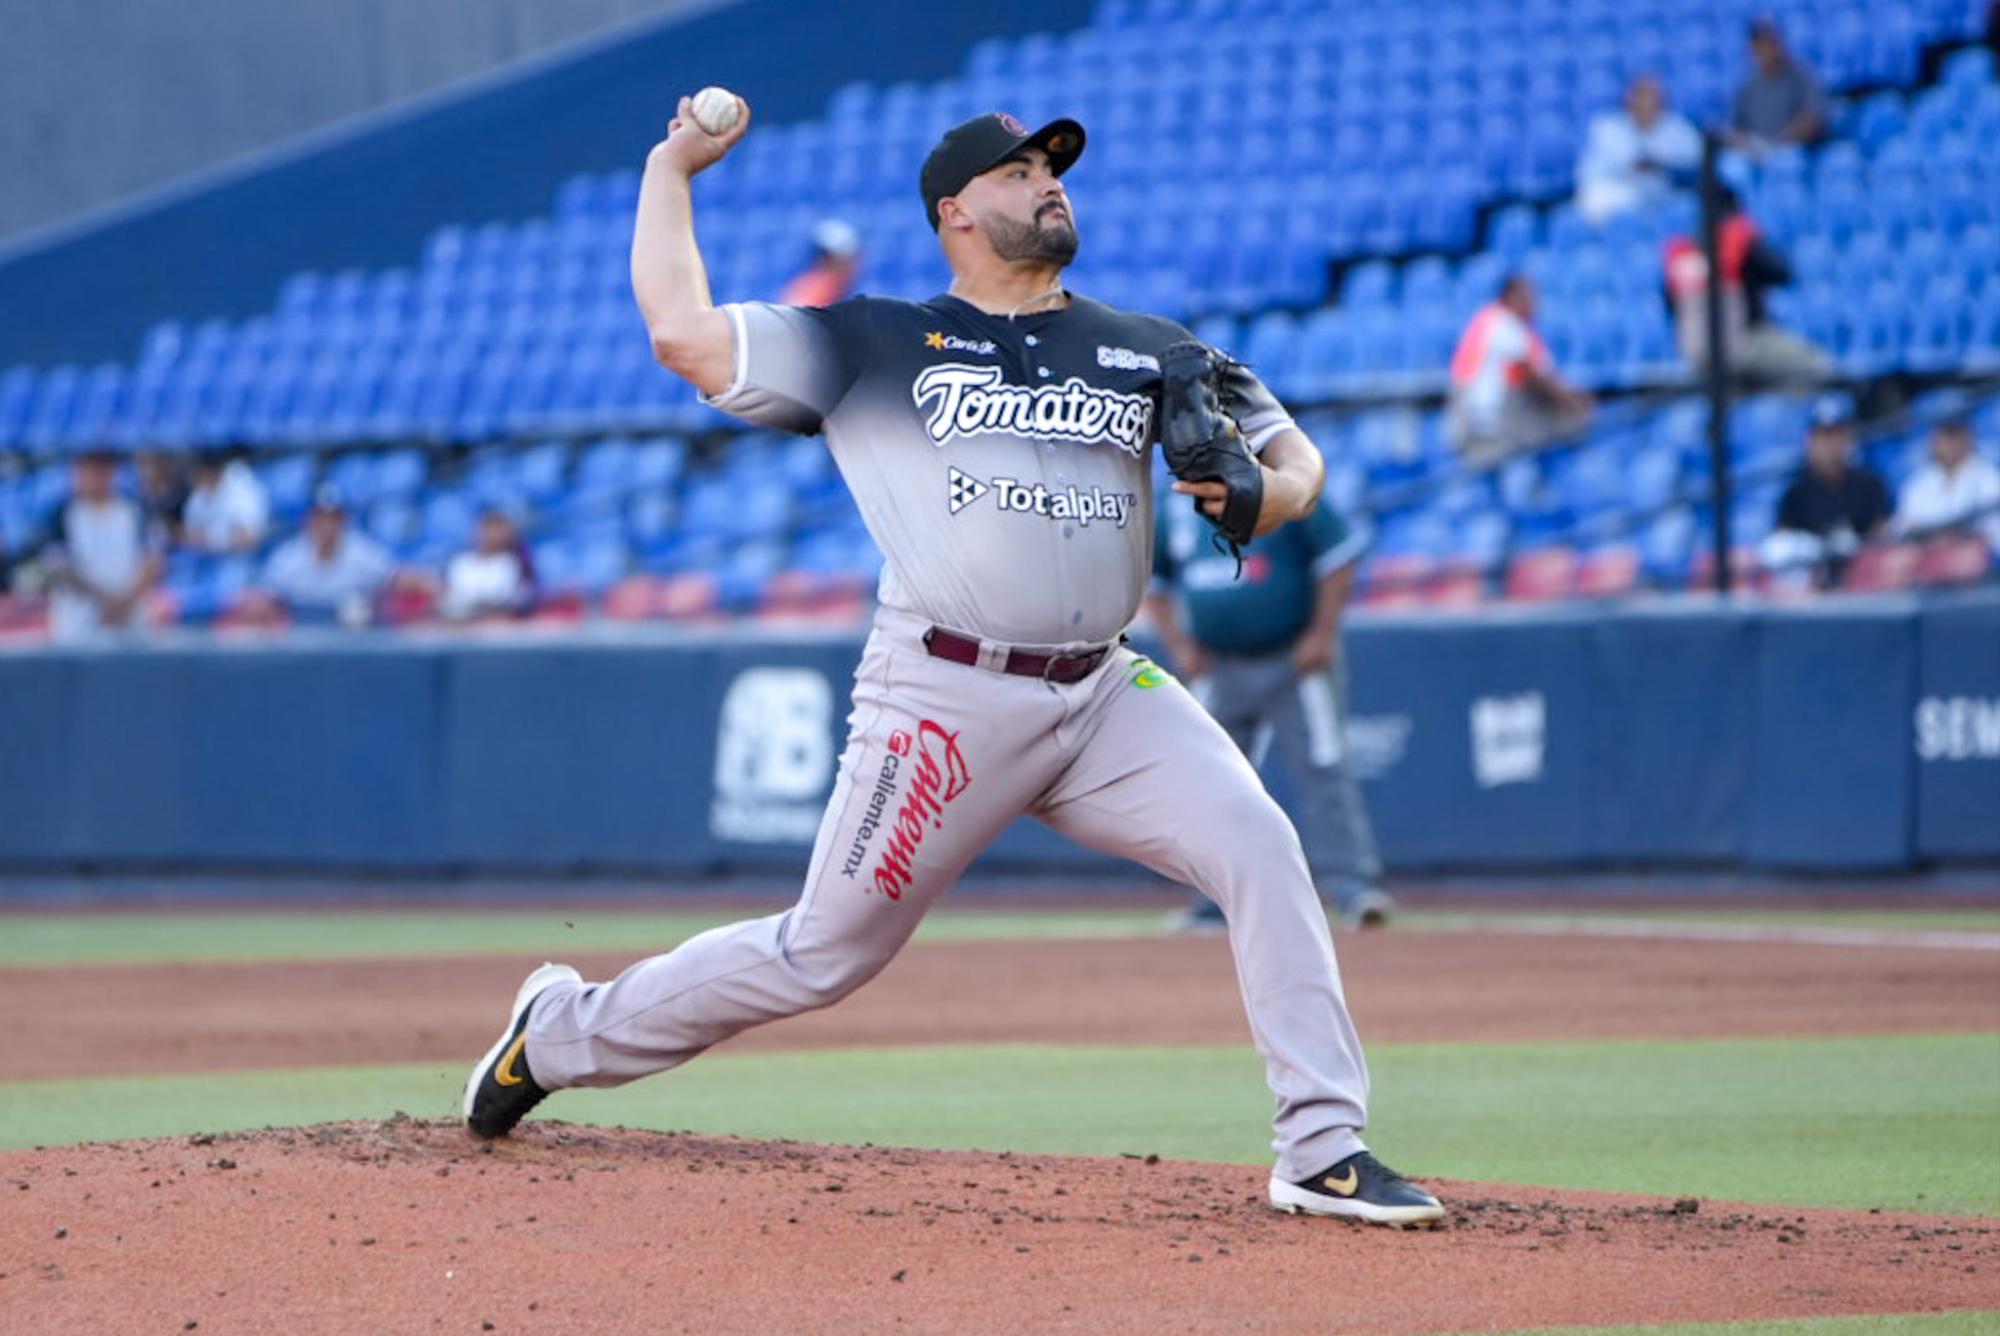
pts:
pixel 983 143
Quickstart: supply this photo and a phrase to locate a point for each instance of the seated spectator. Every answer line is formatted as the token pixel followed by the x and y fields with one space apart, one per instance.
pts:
pixel 1758 349
pixel 1505 394
pixel 163 492
pixel 1781 102
pixel 836 261
pixel 494 579
pixel 1633 157
pixel 1958 490
pixel 100 560
pixel 328 572
pixel 1833 504
pixel 227 509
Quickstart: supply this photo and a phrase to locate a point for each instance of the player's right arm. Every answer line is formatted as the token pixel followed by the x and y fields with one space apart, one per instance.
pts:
pixel 689 333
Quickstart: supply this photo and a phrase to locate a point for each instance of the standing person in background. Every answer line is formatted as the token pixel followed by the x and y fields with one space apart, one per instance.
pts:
pixel 1781 102
pixel 100 559
pixel 1505 394
pixel 1757 348
pixel 1261 652
pixel 836 261
pixel 227 510
pixel 1634 156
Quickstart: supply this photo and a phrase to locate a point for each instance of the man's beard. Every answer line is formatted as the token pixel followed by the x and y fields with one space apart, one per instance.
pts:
pixel 1011 240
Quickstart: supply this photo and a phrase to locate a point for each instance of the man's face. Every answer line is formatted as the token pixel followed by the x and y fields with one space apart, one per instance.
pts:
pixel 92 477
pixel 324 526
pixel 1828 450
pixel 1768 50
pixel 1523 298
pixel 495 534
pixel 1645 102
pixel 1023 211
pixel 1950 446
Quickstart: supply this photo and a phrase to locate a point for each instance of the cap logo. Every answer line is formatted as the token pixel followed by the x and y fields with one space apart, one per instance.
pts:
pixel 1010 124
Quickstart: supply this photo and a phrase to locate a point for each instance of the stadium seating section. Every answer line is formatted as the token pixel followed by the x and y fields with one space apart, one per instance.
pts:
pixel 1328 190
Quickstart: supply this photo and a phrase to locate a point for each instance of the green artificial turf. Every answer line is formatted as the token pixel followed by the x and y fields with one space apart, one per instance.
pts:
pixel 1902 1122
pixel 1962 1323
pixel 66 939
pixel 33 939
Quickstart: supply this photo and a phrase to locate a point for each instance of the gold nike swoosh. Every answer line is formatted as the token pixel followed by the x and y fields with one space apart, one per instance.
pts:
pixel 504 1072
pixel 1344 1186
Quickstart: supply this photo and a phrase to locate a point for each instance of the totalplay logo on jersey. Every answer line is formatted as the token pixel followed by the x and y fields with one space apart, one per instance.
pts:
pixel 1083 506
pixel 960 399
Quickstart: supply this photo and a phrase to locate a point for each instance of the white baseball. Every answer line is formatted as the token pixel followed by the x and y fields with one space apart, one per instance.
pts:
pixel 715 110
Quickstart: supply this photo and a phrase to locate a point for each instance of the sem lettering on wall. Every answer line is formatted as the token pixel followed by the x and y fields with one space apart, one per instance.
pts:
pixel 1958 728
pixel 773 756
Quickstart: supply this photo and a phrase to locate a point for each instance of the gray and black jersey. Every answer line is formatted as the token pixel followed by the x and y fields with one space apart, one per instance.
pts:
pixel 1002 465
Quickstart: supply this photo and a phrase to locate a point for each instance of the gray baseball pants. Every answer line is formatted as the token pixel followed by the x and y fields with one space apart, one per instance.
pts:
pixel 940 758
pixel 1262 701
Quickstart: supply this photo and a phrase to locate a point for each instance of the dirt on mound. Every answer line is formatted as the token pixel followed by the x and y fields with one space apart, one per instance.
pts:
pixel 408 1226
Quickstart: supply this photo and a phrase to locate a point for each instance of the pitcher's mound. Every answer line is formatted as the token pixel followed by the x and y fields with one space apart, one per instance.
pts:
pixel 407 1225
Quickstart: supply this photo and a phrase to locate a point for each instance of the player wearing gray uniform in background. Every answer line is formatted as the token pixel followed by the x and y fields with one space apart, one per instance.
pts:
pixel 1260 648
pixel 997 440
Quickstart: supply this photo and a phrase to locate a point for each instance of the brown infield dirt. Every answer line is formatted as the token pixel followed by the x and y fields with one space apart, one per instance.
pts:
pixel 1403 987
pixel 409 1226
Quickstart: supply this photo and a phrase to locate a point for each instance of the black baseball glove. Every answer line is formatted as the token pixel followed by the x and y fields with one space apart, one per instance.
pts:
pixel 1201 441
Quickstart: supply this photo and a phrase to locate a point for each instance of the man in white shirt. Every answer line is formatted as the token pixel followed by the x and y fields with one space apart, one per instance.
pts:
pixel 494 579
pixel 1958 489
pixel 1632 156
pixel 227 509
pixel 329 572
pixel 1505 393
pixel 100 559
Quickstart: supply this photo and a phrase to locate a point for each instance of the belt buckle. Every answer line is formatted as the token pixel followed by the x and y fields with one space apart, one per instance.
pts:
pixel 1049 668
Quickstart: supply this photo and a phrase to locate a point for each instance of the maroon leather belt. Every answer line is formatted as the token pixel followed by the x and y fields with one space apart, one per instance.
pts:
pixel 1062 669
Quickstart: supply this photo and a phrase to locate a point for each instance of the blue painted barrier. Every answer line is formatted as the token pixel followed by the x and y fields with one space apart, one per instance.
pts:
pixel 1858 735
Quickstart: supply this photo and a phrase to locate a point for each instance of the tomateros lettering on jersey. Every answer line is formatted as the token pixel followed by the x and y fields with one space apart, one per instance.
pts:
pixel 1082 505
pixel 938 775
pixel 965 400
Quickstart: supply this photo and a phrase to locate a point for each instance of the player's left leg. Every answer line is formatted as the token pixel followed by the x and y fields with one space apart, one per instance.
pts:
pixel 1149 776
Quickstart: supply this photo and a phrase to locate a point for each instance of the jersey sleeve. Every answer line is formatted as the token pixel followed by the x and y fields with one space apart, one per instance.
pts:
pixel 794 364
pixel 1333 541
pixel 1259 415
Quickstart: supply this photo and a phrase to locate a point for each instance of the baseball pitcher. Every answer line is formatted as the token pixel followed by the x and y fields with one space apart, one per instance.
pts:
pixel 997 440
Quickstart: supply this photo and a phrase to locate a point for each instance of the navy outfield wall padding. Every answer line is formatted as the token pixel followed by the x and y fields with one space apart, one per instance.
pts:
pixel 1956 731
pixel 1670 764
pixel 575 756
pixel 1834 773
pixel 1494 732
pixel 1854 736
pixel 365 193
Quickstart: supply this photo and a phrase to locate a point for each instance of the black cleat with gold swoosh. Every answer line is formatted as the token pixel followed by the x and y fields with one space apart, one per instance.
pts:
pixel 502 1090
pixel 1360 1187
